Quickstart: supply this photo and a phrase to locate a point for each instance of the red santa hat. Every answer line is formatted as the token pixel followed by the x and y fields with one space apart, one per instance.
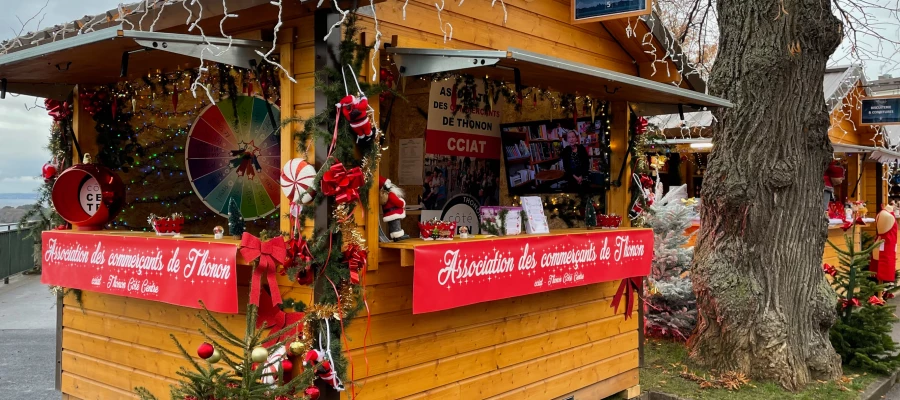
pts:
pixel 834 171
pixel 394 207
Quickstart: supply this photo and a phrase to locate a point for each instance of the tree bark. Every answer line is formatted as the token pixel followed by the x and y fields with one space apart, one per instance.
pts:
pixel 765 308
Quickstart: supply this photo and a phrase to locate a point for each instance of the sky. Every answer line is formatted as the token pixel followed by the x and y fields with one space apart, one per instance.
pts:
pixel 24 133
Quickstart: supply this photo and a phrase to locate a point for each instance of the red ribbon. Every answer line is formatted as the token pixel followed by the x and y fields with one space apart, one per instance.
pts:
pixel 829 269
pixel 341 183
pixel 628 287
pixel 270 254
pixel 356 259
pixel 273 318
pixel 59 111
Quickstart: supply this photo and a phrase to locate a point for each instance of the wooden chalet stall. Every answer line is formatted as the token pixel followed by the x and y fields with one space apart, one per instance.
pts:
pixel 531 344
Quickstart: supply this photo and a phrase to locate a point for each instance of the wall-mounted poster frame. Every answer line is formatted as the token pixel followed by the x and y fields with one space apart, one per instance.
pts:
pixel 608 9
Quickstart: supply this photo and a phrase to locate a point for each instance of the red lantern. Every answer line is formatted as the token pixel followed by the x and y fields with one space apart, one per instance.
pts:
pixel 88 196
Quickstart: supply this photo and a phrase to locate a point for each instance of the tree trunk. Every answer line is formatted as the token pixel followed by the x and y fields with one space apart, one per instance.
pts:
pixel 765 308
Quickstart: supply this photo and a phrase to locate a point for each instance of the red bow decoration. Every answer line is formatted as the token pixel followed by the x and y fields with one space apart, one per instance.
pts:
pixel 875 301
pixel 851 303
pixel 888 295
pixel 341 183
pixel 829 269
pixel 356 260
pixel 628 287
pixel 641 127
pixel 273 318
pixel 298 255
pixel 646 181
pixel 59 111
pixel 270 254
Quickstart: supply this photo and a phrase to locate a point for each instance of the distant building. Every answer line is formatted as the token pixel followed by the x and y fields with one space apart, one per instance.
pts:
pixel 885 85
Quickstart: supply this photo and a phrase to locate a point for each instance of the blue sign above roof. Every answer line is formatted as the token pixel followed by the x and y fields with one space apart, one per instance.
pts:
pixel 881 111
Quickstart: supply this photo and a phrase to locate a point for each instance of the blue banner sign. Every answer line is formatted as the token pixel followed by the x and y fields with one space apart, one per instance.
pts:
pixel 881 111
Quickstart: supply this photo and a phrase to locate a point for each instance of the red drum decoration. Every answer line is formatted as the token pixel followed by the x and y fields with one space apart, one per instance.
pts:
pixel 88 196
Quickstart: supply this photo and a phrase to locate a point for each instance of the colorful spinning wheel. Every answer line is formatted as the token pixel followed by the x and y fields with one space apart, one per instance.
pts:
pixel 236 155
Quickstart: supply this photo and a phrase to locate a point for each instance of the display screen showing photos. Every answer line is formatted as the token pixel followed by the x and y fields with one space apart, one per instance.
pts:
pixel 559 156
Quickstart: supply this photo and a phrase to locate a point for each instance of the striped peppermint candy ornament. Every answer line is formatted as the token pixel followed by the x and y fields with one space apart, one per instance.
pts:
pixel 297 177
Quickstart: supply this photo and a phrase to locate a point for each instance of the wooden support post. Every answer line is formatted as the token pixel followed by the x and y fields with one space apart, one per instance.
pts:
pixel 618 198
pixel 288 147
pixel 83 126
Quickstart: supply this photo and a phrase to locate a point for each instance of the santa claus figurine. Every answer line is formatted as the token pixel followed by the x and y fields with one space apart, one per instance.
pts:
pixel 394 208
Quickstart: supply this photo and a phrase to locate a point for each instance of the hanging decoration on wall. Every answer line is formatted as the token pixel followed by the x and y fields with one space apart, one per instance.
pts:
pixel 297 177
pixel 233 152
pixel 88 195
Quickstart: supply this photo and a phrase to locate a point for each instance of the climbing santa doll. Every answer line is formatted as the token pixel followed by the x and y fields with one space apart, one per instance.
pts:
pixel 393 207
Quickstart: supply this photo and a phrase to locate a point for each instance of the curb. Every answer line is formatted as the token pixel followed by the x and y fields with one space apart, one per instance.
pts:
pixel 879 388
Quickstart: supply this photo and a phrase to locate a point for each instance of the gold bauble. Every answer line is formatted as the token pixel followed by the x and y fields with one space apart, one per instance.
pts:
pixel 259 354
pixel 215 357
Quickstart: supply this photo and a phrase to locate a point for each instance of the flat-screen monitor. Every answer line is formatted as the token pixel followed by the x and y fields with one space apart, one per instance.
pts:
pixel 558 156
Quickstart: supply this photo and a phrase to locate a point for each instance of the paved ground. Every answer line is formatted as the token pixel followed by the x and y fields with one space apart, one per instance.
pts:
pixel 27 340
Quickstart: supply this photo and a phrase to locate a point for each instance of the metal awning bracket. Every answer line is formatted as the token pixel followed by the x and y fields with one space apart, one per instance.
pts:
pixel 423 62
pixel 238 56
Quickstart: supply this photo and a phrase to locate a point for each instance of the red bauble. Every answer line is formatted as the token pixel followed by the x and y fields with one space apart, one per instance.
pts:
pixel 205 350
pixel 287 365
pixel 312 392
pixel 48 171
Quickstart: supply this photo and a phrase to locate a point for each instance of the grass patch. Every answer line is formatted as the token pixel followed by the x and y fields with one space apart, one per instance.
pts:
pixel 665 362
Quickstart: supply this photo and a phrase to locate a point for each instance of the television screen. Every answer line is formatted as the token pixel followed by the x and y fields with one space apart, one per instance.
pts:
pixel 558 156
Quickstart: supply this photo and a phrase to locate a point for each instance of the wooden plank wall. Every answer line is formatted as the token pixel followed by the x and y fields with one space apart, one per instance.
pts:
pixel 533 347
pixel 114 344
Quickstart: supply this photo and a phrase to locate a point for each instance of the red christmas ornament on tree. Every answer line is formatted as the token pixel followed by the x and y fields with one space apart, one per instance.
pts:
pixel 875 301
pixel 287 365
pixel 205 350
pixel 49 171
pixel 312 392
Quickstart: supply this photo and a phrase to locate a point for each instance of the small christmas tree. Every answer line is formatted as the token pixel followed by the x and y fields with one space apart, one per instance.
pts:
pixel 235 219
pixel 862 333
pixel 590 214
pixel 671 307
pixel 208 381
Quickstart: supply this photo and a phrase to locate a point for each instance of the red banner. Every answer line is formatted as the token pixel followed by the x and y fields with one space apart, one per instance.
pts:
pixel 462 144
pixel 460 272
pixel 167 270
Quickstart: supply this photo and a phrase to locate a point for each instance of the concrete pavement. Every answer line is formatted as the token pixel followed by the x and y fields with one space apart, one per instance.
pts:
pixel 27 340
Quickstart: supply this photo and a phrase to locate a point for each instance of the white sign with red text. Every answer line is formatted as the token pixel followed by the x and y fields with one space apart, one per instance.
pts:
pixel 460 272
pixel 180 272
pixel 456 131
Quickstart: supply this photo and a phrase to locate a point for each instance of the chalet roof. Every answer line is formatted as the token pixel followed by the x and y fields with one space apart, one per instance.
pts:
pixel 137 16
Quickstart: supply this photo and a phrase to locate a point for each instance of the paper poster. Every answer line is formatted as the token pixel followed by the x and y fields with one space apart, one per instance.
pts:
pixel 462 152
pixel 534 210
pixel 455 131
pixel 412 161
